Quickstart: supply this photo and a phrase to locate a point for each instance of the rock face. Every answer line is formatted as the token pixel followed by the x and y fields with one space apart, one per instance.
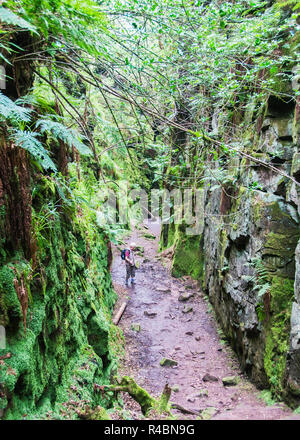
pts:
pixel 247 254
pixel 252 266
pixel 253 308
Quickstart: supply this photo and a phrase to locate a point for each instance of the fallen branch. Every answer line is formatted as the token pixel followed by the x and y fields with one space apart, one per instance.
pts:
pixel 184 410
pixel 150 213
pixel 120 313
pixel 142 397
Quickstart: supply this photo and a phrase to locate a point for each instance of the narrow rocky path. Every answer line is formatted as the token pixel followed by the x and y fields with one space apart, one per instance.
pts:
pixel 157 325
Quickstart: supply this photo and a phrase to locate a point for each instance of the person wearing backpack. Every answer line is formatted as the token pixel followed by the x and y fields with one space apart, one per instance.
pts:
pixel 130 263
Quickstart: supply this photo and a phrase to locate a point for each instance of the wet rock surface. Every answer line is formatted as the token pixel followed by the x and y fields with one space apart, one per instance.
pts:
pixel 190 339
pixel 259 230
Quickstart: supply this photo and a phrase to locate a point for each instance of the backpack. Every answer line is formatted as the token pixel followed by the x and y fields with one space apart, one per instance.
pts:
pixel 123 251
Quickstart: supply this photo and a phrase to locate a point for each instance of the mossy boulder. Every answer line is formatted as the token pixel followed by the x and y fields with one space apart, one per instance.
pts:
pixel 188 257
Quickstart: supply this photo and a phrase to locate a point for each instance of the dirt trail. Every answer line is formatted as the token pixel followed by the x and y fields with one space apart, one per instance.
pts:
pixel 169 330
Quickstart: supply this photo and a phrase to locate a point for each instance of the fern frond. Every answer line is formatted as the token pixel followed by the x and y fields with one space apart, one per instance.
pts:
pixel 30 143
pixel 10 110
pixel 61 186
pixel 68 136
pixel 263 289
pixel 9 17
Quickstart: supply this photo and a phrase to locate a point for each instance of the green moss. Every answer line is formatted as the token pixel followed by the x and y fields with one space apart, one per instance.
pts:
pixel 168 236
pixel 258 155
pixel 149 236
pixel 99 413
pixel 140 395
pixel 257 206
pixel 223 243
pixel 10 304
pixel 242 192
pixel 277 332
pixel 70 342
pixel 188 257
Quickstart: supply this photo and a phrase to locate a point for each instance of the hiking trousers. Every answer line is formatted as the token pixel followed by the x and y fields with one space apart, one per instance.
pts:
pixel 130 272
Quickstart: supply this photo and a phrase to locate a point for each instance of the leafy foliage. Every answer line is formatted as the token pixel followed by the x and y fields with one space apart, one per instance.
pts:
pixel 68 136
pixel 261 278
pixel 12 111
pixel 9 17
pixel 42 222
pixel 69 19
pixel 267 397
pixel 28 141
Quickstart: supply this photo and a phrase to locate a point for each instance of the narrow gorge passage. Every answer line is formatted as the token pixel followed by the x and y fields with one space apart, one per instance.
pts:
pixel 116 110
pixel 157 325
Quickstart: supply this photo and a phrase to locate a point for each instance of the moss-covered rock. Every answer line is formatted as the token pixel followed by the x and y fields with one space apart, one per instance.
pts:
pixel 278 331
pixel 70 343
pixel 188 258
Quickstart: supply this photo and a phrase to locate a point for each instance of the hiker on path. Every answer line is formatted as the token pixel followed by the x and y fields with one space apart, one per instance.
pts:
pixel 130 264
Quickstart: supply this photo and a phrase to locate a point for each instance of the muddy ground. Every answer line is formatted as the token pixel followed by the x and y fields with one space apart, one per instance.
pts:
pixel 185 332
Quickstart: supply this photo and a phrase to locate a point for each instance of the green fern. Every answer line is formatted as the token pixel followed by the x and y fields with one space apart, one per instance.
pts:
pixel 262 290
pixel 42 223
pixel 28 140
pixel 61 186
pixel 71 19
pixel 68 136
pixel 9 17
pixel 260 279
pixel 263 273
pixel 11 110
pixel 5 48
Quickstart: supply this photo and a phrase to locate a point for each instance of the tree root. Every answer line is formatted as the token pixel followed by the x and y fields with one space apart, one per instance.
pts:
pixel 142 397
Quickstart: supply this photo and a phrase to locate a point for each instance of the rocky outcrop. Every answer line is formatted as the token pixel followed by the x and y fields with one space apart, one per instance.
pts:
pixel 252 263
pixel 248 253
